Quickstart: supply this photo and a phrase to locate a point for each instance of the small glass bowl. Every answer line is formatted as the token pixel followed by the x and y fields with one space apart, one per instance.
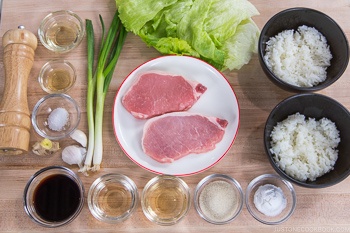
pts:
pixel 289 194
pixel 61 31
pixel 42 176
pixel 165 199
pixel 57 76
pixel 112 198
pixel 218 207
pixel 45 106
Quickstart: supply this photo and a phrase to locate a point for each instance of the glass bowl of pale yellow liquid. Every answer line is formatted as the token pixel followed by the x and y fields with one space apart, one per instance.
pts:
pixel 165 199
pixel 61 31
pixel 112 198
pixel 57 76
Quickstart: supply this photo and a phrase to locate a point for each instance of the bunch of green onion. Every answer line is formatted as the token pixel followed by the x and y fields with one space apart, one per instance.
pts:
pixel 98 83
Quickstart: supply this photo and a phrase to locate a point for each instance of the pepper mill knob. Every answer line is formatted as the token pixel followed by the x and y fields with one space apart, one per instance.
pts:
pixel 19 46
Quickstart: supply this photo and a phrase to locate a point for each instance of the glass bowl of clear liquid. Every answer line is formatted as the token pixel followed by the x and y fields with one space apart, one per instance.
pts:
pixel 165 199
pixel 57 76
pixel 112 198
pixel 61 31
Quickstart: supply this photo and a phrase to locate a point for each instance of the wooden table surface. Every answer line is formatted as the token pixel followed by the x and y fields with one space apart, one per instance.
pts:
pixel 317 210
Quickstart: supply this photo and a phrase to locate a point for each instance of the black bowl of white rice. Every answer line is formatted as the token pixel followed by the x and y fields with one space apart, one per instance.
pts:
pixel 303 50
pixel 307 140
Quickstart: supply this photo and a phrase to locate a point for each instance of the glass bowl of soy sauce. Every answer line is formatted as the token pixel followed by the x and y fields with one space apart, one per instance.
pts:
pixel 53 196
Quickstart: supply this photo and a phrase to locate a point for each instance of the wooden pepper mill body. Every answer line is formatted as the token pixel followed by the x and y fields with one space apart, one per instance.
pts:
pixel 19 46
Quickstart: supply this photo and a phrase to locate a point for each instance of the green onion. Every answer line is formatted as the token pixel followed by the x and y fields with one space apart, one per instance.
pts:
pixel 98 84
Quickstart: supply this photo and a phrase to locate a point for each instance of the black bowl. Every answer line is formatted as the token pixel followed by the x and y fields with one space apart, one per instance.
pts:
pixel 315 106
pixel 292 19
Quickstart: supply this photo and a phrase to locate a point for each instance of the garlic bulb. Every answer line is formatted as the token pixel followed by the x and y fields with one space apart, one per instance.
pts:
pixel 74 155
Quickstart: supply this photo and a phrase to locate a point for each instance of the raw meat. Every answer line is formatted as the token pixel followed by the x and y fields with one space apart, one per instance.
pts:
pixel 172 136
pixel 154 94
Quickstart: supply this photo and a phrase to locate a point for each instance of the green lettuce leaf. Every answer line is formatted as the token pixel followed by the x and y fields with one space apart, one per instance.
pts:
pixel 135 13
pixel 220 32
pixel 240 47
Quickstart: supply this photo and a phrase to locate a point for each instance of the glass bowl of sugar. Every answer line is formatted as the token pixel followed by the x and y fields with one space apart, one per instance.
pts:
pixel 270 199
pixel 218 199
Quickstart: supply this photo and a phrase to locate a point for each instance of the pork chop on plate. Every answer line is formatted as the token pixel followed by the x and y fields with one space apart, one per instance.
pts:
pixel 171 136
pixel 155 93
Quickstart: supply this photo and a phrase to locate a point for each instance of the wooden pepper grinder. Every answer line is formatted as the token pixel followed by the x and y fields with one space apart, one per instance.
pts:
pixel 19 46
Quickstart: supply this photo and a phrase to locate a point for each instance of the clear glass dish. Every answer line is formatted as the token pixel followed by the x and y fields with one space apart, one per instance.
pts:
pixel 288 192
pixel 45 106
pixel 165 199
pixel 218 199
pixel 112 198
pixel 61 31
pixel 57 76
pixel 60 207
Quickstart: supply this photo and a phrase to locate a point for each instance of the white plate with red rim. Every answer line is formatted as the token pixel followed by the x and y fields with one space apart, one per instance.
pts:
pixel 219 100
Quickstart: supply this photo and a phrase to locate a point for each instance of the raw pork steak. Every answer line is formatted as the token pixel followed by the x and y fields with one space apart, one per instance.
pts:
pixel 172 136
pixel 154 94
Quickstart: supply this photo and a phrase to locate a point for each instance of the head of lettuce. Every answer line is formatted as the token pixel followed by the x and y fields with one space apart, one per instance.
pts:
pixel 220 32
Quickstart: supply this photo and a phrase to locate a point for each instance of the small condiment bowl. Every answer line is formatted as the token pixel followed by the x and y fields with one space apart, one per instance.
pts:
pixel 61 31
pixel 67 197
pixel 45 106
pixel 165 199
pixel 289 194
pixel 218 199
pixel 293 18
pixel 57 76
pixel 112 198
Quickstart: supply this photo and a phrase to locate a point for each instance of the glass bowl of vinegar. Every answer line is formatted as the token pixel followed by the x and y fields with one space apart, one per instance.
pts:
pixel 57 76
pixel 112 198
pixel 165 199
pixel 61 31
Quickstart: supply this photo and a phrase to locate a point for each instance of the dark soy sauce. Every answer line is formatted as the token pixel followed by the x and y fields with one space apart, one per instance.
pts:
pixel 56 198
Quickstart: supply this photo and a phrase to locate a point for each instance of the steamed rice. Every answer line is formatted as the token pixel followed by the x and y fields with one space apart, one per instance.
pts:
pixel 300 57
pixel 305 148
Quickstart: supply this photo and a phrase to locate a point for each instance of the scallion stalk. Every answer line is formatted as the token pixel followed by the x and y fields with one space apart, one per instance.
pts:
pixel 98 83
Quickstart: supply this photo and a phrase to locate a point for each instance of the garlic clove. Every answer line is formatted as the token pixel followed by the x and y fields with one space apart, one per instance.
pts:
pixel 73 155
pixel 80 137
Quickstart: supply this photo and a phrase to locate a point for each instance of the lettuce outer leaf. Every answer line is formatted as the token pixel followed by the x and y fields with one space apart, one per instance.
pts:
pixel 136 13
pixel 241 46
pixel 220 32
pixel 224 17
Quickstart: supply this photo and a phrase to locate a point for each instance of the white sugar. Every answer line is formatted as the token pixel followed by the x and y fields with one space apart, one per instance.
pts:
pixel 218 201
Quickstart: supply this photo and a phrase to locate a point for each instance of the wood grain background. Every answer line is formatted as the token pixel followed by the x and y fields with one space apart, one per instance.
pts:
pixel 318 210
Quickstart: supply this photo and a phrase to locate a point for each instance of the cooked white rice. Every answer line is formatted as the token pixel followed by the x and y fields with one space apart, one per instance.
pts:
pixel 300 58
pixel 305 148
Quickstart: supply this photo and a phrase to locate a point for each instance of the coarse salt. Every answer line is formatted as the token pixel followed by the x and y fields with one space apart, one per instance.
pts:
pixel 57 119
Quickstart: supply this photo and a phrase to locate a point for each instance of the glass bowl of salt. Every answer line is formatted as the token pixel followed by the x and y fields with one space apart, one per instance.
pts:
pixel 218 199
pixel 270 199
pixel 55 116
